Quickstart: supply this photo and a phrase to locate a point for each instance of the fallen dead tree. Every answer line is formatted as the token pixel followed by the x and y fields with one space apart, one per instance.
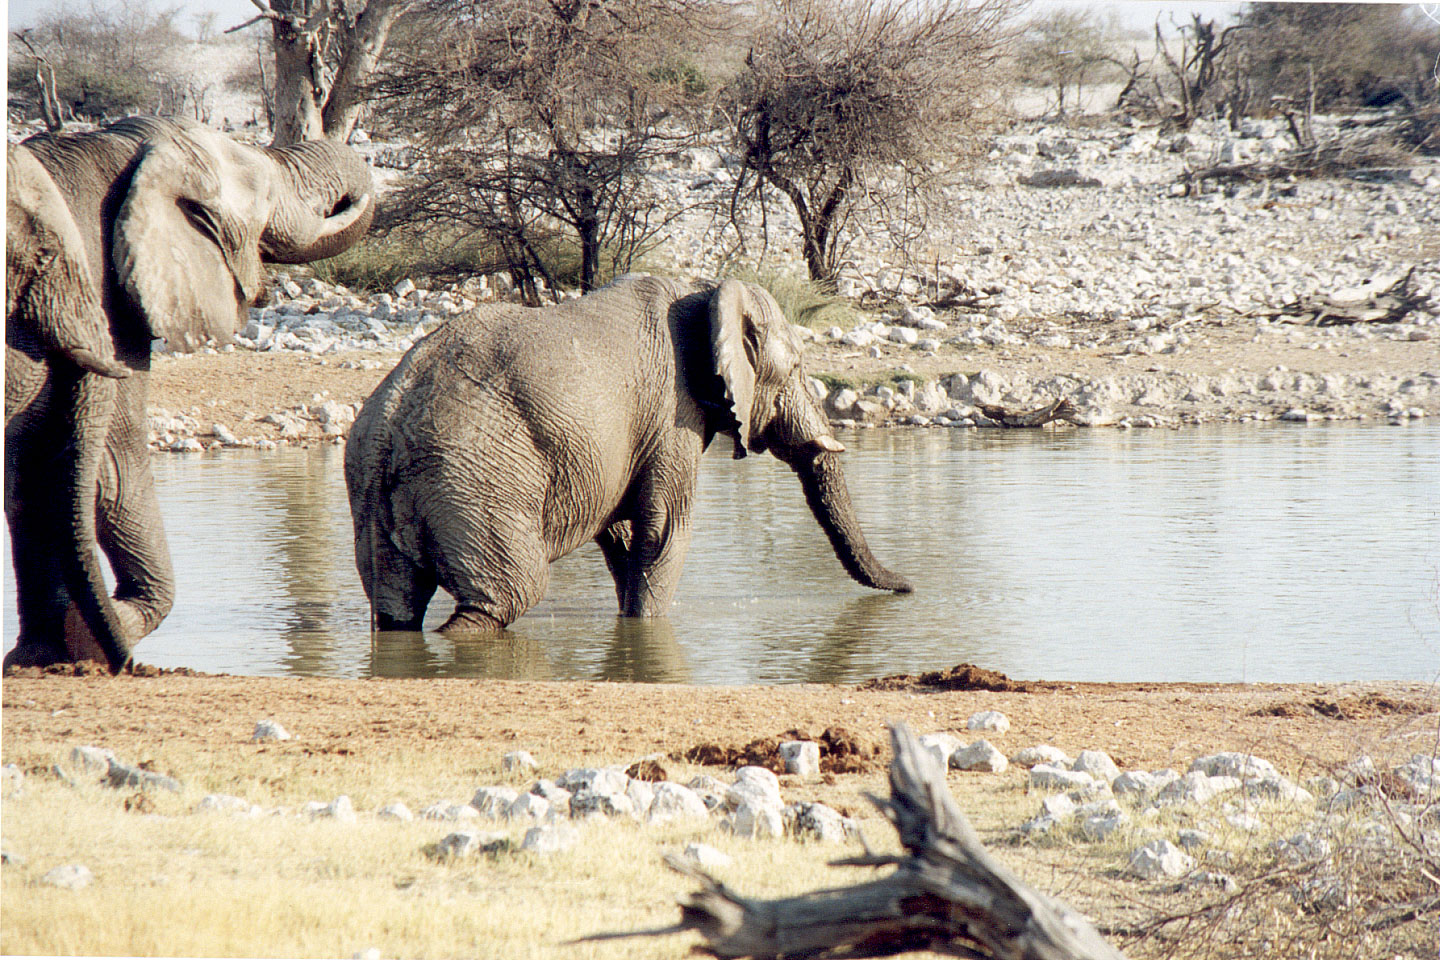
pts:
pixel 1369 303
pixel 1332 158
pixel 948 894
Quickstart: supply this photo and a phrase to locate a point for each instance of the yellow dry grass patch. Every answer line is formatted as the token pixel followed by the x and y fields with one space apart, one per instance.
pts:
pixel 170 881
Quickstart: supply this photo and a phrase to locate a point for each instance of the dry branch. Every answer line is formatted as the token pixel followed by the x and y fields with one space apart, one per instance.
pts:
pixel 949 894
pixel 1390 305
pixel 1059 410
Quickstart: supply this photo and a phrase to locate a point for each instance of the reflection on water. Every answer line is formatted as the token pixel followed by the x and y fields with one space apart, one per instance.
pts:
pixel 1306 553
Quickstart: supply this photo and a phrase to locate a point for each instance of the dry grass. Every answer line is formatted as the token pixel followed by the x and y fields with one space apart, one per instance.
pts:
pixel 170 881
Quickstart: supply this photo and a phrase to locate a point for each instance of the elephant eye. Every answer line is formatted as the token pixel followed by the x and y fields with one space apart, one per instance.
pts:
pixel 202 217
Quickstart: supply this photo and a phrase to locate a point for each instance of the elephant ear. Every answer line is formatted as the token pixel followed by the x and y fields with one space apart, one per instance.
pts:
pixel 732 349
pixel 186 242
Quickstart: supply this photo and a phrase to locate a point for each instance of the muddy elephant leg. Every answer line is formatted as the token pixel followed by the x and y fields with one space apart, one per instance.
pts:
pixel 495 578
pixel 128 522
pixel 40 596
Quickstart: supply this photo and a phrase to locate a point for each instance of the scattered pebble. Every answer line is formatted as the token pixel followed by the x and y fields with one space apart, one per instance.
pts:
pixel 72 876
pixel 268 730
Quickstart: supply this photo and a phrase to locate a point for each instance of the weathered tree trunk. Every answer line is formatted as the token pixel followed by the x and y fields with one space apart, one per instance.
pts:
pixel 949 894
pixel 324 52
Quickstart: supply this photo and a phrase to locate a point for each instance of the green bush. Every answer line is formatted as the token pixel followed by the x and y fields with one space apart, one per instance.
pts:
pixel 682 74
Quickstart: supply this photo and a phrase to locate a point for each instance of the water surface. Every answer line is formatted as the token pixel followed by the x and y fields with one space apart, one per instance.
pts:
pixel 1232 553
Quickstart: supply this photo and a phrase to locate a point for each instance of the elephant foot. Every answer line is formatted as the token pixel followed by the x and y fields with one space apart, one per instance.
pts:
pixel 81 645
pixel 470 620
pixel 32 653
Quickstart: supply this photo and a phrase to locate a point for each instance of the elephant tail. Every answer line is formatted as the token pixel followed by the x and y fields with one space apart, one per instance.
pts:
pixel 95 402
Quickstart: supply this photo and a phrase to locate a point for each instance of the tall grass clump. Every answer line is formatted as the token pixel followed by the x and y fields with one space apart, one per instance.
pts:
pixel 804 301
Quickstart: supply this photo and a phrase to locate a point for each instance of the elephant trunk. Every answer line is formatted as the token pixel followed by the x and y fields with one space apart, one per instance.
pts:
pixel 95 401
pixel 326 204
pixel 829 500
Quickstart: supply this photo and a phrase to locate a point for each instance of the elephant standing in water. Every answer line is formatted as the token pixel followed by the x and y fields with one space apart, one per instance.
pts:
pixel 163 228
pixel 509 437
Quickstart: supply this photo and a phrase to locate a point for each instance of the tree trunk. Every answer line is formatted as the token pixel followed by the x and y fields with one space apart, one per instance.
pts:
pixel 299 79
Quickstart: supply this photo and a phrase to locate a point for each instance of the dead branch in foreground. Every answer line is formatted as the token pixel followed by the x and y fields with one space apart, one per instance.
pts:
pixel 1360 305
pixel 948 895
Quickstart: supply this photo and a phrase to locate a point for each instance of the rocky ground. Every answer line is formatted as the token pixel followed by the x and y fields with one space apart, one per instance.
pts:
pixel 1072 267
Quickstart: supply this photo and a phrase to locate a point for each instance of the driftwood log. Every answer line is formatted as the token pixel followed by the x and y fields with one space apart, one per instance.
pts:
pixel 1058 410
pixel 1362 305
pixel 948 894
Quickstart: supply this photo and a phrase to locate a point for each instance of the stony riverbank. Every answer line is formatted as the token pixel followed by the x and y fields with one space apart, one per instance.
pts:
pixel 1073 266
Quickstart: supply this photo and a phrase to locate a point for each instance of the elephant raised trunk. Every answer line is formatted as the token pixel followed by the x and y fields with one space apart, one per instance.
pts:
pixel 327 207
pixel 829 500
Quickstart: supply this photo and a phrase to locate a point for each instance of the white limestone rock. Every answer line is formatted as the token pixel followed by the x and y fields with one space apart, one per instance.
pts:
pixel 991 721
pixel 225 803
pixel 1097 763
pixel 469 843
pixel 529 807
pixel 1143 784
pixel 816 821
pixel 675 802
pixel 1194 788
pixel 942 746
pixel 518 761
pixel 94 761
pixel 981 756
pixel 1047 776
pixel 395 811
pixel 1160 860
pixel 451 812
pixel 706 856
pixel 1242 766
pixel 802 757
pixel 340 810
pixel 1041 753
pixel 269 730
pixel 72 876
pixel 493 802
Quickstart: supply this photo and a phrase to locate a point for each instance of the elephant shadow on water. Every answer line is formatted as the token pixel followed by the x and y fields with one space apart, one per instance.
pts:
pixel 636 651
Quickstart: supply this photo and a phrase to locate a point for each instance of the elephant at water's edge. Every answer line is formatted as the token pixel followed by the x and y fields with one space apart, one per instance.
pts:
pixel 509 437
pixel 173 222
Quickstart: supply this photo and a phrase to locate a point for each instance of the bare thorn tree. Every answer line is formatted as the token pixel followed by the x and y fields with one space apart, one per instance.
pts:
pixel 1197 67
pixel 843 101
pixel 537 123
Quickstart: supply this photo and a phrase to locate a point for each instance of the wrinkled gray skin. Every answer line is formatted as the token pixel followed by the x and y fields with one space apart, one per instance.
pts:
pixel 172 222
pixel 509 437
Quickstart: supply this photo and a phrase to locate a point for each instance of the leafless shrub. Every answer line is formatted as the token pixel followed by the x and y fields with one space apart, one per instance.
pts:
pixel 849 104
pixel 537 121
pixel 1062 49
pixel 109 60
pixel 1360 879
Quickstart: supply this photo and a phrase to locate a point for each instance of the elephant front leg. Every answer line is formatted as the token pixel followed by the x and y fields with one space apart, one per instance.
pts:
pixel 132 536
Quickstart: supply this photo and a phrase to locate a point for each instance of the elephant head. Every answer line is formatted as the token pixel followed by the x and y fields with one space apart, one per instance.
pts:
pixel 757 357
pixel 202 212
